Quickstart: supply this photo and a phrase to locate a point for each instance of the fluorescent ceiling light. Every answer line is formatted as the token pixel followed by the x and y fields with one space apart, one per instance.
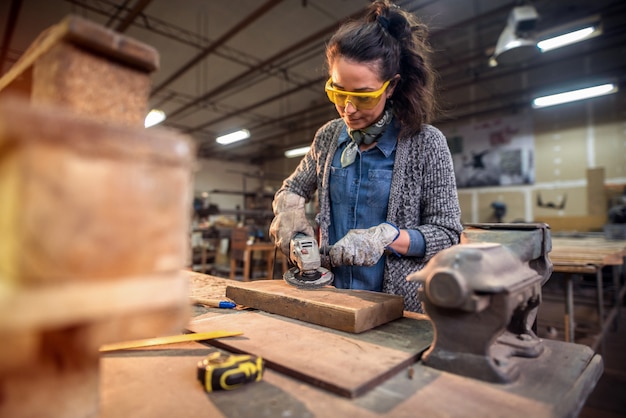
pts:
pixel 297 152
pixel 233 137
pixel 574 95
pixel 154 117
pixel 568 38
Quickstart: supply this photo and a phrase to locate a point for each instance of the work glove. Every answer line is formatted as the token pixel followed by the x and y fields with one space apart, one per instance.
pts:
pixel 290 218
pixel 363 247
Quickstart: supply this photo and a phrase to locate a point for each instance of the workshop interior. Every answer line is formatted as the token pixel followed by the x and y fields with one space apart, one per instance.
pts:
pixel 142 143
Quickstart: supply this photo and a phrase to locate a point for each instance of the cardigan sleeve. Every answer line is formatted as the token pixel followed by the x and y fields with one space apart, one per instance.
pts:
pixel 305 178
pixel 440 214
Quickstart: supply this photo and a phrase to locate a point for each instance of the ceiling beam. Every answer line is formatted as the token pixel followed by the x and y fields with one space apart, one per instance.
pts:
pixel 281 54
pixel 222 40
pixel 233 81
pixel 114 16
pixel 257 104
pixel 132 15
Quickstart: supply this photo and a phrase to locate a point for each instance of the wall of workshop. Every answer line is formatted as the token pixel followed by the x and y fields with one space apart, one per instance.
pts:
pixel 217 175
pixel 569 140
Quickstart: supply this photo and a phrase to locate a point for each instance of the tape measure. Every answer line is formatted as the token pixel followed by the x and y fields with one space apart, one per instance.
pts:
pixel 226 372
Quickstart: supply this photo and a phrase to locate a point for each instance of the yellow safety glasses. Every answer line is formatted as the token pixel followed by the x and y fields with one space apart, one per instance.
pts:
pixel 360 100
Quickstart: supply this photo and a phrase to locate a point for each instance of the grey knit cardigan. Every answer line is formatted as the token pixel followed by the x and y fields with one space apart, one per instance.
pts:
pixel 423 197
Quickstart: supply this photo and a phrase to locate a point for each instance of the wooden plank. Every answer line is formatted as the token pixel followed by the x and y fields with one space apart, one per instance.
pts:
pixel 596 251
pixel 346 364
pixel 575 268
pixel 592 242
pixel 162 382
pixel 341 309
pixel 583 223
pixel 596 259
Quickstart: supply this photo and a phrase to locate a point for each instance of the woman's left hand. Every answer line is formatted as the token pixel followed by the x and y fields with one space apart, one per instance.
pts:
pixel 363 247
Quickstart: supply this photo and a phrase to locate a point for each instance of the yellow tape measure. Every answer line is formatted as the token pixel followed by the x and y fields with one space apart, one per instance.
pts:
pixel 226 372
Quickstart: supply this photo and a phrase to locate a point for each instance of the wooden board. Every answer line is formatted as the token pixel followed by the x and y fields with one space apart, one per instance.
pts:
pixel 346 364
pixel 597 251
pixel 341 309
pixel 583 223
pixel 161 382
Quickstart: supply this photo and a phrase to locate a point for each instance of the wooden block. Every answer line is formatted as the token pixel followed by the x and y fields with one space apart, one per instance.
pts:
pixel 94 217
pixel 94 302
pixel 56 373
pixel 343 363
pixel 89 200
pixel 93 226
pixel 62 381
pixel 71 77
pixel 88 68
pixel 341 309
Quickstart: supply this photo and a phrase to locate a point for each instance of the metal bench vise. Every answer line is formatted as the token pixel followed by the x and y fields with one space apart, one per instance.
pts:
pixel 482 297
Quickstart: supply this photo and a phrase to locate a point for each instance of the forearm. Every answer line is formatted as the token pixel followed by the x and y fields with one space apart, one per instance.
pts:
pixel 410 243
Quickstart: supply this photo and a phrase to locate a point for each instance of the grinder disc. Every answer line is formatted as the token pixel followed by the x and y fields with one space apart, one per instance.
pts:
pixel 319 277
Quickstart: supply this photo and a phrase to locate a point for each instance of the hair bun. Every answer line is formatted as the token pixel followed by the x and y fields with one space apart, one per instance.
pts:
pixel 383 21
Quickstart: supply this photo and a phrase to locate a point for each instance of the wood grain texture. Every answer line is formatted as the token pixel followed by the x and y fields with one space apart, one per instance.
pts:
pixel 62 381
pixel 343 363
pixel 67 75
pixel 88 68
pixel 85 302
pixel 341 309
pixel 94 216
pixel 581 251
pixel 85 200
pixel 161 381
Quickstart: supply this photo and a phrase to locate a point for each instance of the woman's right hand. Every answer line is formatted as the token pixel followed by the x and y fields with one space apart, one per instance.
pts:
pixel 290 218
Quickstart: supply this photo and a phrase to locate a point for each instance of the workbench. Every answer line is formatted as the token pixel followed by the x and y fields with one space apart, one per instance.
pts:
pixel 589 254
pixel 161 381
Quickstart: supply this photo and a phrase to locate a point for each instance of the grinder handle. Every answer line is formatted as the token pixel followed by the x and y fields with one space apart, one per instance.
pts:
pixel 325 250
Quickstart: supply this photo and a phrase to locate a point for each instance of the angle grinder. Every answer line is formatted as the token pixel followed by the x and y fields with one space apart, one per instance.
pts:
pixel 307 272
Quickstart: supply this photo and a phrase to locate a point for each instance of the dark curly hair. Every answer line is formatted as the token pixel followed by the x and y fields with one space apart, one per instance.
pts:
pixel 394 42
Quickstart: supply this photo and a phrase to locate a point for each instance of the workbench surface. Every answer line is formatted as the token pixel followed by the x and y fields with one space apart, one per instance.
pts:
pixel 589 254
pixel 161 381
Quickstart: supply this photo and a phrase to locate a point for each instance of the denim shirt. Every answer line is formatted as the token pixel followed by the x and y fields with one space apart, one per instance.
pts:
pixel 359 195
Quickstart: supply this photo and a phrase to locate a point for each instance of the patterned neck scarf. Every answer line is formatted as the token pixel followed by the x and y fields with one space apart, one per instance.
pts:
pixel 367 136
